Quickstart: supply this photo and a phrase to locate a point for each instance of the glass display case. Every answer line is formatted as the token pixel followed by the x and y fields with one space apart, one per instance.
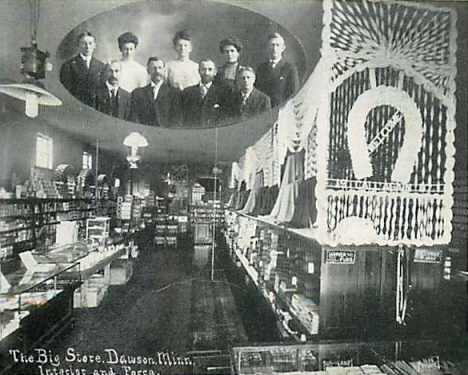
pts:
pixel 46 261
pixel 35 306
pixel 418 358
pixel 24 291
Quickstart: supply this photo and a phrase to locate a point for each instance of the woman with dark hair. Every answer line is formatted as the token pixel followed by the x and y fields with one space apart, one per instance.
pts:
pixel 133 74
pixel 231 49
pixel 182 72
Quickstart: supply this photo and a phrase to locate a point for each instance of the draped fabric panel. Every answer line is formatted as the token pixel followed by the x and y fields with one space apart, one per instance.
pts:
pixel 305 213
pixel 250 167
pixel 236 176
pixel 254 193
pixel 295 135
pixel 240 197
pixel 283 211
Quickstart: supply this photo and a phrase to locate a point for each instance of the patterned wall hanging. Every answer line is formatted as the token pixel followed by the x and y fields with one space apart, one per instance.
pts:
pixel 386 150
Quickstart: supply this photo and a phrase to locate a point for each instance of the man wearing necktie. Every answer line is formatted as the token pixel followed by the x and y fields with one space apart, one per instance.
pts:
pixel 204 104
pixel 81 75
pixel 248 101
pixel 277 78
pixel 112 99
pixel 156 104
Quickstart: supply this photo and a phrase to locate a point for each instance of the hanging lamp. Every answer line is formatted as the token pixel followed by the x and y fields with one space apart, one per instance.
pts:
pixel 133 142
pixel 34 65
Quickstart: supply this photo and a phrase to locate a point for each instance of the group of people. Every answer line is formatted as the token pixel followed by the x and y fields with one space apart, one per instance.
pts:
pixel 179 92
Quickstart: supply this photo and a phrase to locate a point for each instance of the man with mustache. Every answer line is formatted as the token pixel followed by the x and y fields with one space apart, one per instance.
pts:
pixel 111 98
pixel 156 104
pixel 203 104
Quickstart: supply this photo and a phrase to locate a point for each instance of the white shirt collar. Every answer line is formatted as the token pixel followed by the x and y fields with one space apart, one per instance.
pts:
pixel 86 58
pixel 207 85
pixel 274 62
pixel 110 87
pixel 245 95
pixel 153 84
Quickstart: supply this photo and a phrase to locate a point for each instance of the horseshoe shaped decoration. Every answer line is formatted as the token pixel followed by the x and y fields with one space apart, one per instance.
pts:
pixel 358 147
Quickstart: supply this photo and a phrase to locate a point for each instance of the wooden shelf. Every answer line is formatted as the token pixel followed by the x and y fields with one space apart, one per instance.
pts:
pixel 15 230
pixel 43 200
pixel 48 210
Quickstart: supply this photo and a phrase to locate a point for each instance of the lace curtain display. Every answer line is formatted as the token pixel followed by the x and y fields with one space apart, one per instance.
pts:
pixel 297 138
pixel 386 151
pixel 297 119
pixel 274 157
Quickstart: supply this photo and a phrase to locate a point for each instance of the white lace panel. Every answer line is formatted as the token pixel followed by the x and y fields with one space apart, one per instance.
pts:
pixel 387 174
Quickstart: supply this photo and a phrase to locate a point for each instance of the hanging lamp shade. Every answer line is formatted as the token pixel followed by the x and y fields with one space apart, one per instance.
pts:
pixel 32 95
pixel 133 142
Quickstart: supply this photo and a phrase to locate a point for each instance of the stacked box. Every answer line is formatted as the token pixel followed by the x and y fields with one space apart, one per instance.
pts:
pixel 307 311
pixel 92 294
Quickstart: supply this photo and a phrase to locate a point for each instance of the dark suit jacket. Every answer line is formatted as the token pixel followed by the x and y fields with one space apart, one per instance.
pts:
pixel 208 111
pixel 256 103
pixel 81 82
pixel 104 103
pixel 279 83
pixel 165 111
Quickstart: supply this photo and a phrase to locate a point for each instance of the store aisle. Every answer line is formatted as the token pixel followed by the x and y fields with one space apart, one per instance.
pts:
pixel 170 305
pixel 148 315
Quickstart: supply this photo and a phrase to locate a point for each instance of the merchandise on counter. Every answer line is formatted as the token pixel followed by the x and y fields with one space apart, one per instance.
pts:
pixel 67 232
pixel 98 230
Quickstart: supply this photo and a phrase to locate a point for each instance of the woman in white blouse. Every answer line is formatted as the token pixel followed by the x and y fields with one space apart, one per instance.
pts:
pixel 182 72
pixel 133 74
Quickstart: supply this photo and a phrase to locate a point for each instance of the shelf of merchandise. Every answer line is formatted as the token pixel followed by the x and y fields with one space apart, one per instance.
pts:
pixel 207 213
pixel 168 229
pixel 330 292
pixel 20 219
pixel 284 266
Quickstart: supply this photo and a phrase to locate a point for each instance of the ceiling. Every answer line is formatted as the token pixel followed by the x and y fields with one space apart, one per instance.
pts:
pixel 58 17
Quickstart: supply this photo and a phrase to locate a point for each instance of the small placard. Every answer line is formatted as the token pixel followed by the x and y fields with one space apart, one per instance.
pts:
pixel 428 255
pixel 340 257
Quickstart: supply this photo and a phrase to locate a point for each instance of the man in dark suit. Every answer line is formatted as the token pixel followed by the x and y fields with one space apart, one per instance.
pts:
pixel 204 104
pixel 111 99
pixel 156 104
pixel 277 78
pixel 81 75
pixel 248 101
